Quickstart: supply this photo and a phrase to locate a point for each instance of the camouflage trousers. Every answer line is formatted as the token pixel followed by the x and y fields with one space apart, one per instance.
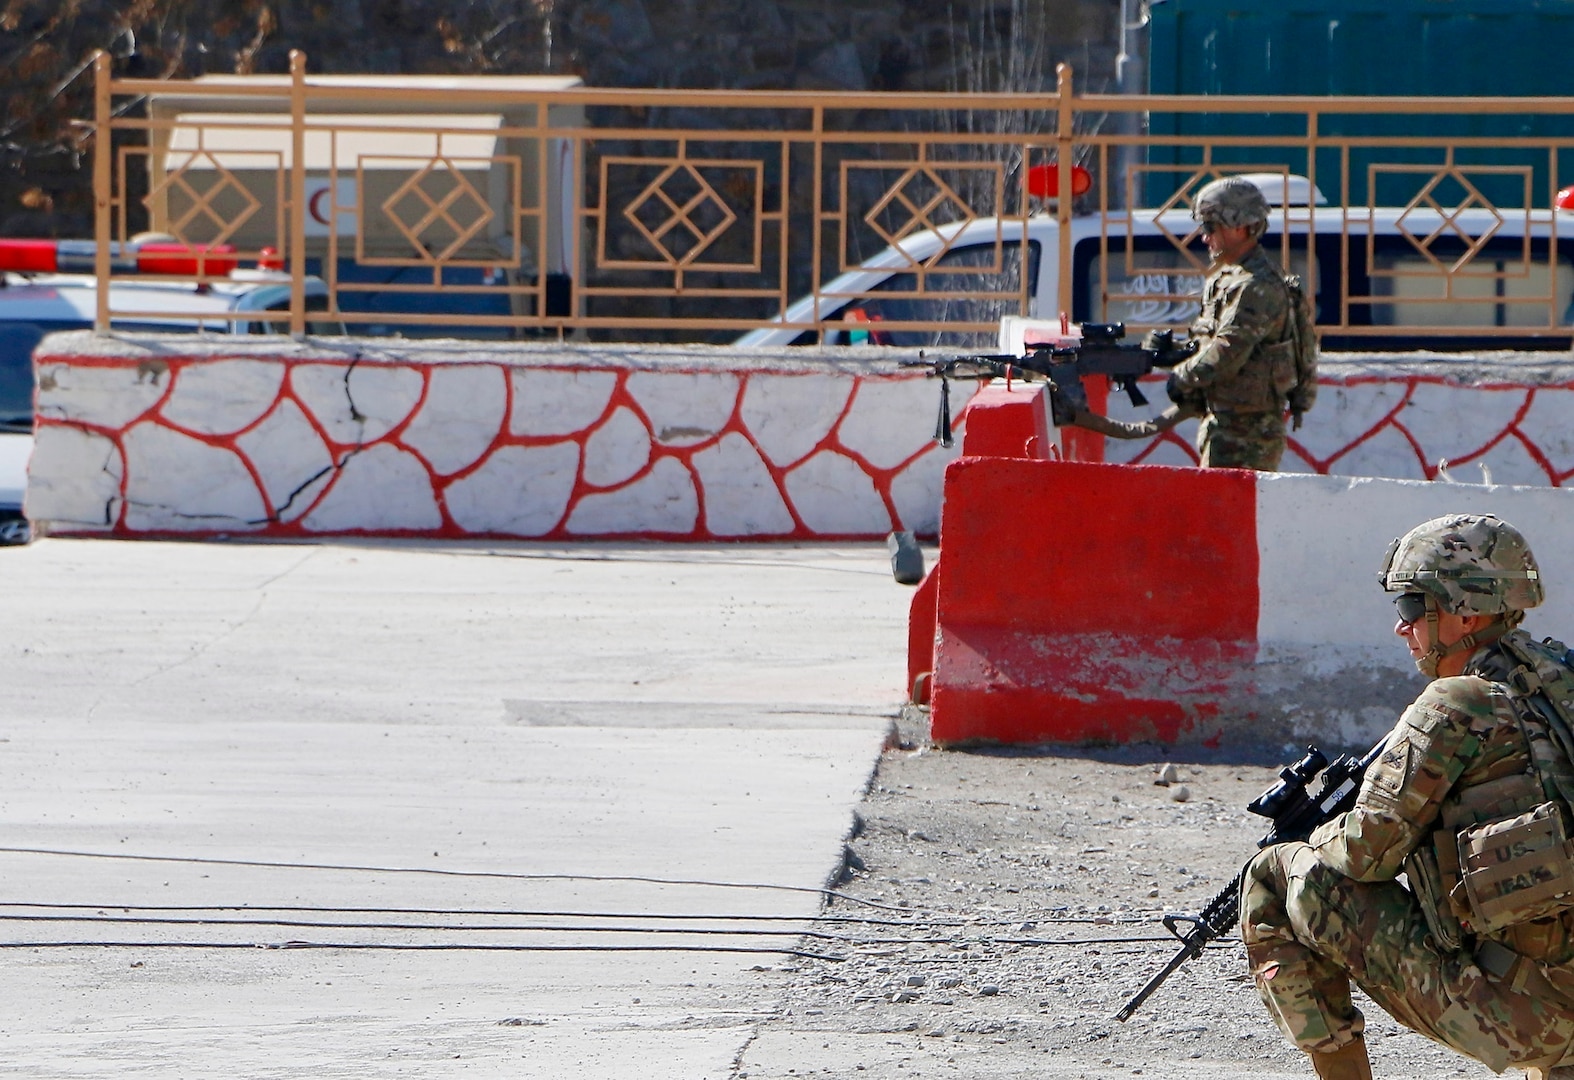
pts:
pixel 1309 931
pixel 1241 441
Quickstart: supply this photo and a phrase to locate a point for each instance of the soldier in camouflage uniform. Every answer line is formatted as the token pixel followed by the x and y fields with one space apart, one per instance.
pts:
pixel 1249 365
pixel 1470 799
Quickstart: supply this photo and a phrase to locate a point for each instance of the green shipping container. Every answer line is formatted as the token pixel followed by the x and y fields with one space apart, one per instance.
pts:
pixel 1421 48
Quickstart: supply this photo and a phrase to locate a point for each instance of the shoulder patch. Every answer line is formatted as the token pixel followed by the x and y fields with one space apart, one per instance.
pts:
pixel 1397 758
pixel 1386 779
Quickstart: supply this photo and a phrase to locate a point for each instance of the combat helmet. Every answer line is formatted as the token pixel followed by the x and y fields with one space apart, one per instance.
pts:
pixel 1232 201
pixel 1464 564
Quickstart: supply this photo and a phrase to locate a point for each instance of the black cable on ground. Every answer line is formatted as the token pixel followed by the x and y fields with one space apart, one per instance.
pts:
pixel 434 871
pixel 144 920
pixel 413 947
pixel 506 913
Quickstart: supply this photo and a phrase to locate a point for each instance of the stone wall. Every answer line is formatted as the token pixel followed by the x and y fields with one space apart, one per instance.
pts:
pixel 853 45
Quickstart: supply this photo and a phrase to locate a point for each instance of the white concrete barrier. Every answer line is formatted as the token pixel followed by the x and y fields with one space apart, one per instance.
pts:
pixel 1327 655
pixel 143 435
pixel 1499 418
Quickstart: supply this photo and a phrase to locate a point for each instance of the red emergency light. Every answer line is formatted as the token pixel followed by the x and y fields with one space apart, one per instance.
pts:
pixel 148 257
pixel 1565 199
pixel 1043 181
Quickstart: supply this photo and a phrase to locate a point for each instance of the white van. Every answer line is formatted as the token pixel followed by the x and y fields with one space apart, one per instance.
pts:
pixel 1135 267
pixel 35 304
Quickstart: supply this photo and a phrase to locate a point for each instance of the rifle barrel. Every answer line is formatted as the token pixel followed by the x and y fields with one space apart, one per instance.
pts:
pixel 1154 983
pixel 1216 920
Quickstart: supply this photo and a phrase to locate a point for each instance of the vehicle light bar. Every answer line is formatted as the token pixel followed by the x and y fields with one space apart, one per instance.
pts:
pixel 149 257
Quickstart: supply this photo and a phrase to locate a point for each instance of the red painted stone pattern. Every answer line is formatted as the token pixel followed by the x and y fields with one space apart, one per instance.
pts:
pixel 1299 457
pixel 880 477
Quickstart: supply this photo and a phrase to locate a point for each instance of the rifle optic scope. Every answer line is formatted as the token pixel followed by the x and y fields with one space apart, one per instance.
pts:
pixel 1094 333
pixel 1292 781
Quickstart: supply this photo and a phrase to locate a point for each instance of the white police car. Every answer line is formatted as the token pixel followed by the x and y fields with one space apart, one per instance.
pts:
pixel 1132 268
pixel 47 286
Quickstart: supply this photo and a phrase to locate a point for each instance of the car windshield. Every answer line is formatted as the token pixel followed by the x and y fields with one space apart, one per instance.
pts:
pixel 976 283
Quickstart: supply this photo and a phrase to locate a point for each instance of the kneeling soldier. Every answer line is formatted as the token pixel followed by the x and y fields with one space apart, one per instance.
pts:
pixel 1470 799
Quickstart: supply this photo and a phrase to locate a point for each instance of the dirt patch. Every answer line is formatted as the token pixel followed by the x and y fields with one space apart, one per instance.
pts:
pixel 1018 901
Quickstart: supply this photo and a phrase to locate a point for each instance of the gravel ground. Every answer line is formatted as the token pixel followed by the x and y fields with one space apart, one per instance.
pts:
pixel 1001 905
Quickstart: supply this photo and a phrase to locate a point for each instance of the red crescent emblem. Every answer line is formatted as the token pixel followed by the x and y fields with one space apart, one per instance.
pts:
pixel 314 205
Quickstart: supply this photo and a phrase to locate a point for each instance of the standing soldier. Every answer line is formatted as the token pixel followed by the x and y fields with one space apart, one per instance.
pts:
pixel 1255 351
pixel 1470 799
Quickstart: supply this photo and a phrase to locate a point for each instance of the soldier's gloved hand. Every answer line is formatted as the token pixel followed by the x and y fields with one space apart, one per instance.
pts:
pixel 1167 352
pixel 1295 419
pixel 1191 402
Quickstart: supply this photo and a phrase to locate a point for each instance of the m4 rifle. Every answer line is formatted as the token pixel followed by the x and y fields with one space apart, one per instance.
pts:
pixel 1295 812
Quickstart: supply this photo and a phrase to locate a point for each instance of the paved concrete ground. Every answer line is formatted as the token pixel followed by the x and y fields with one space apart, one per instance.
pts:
pixel 483 773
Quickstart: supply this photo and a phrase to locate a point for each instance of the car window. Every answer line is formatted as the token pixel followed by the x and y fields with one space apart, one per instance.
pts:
pixel 1491 288
pixel 314 327
pixel 984 283
pixel 1152 283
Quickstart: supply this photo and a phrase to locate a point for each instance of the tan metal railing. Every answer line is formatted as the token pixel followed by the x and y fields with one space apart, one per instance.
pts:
pixel 489 207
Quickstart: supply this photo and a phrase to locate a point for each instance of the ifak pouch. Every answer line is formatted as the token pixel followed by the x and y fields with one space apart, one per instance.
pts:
pixel 1517 869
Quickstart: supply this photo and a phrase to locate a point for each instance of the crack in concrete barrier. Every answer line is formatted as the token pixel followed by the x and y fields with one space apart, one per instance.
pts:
pixel 349 397
pixel 276 514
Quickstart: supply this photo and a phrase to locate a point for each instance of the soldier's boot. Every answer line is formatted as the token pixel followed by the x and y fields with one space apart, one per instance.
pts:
pixel 1349 1062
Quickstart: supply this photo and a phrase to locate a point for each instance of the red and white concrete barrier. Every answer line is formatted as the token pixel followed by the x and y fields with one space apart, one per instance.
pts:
pixel 202 436
pixel 1093 602
pixel 181 435
pixel 1492 418
pixel 1421 417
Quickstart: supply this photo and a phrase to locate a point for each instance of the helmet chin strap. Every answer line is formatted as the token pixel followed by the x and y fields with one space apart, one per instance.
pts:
pixel 1427 663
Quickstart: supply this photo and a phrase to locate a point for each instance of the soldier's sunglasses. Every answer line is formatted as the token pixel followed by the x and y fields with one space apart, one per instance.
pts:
pixel 1411 607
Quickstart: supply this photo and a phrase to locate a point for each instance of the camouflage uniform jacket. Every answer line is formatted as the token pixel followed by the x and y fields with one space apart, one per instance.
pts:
pixel 1245 362
pixel 1463 752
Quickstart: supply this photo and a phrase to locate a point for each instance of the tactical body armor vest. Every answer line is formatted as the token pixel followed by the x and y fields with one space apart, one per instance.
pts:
pixel 1285 364
pixel 1500 866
